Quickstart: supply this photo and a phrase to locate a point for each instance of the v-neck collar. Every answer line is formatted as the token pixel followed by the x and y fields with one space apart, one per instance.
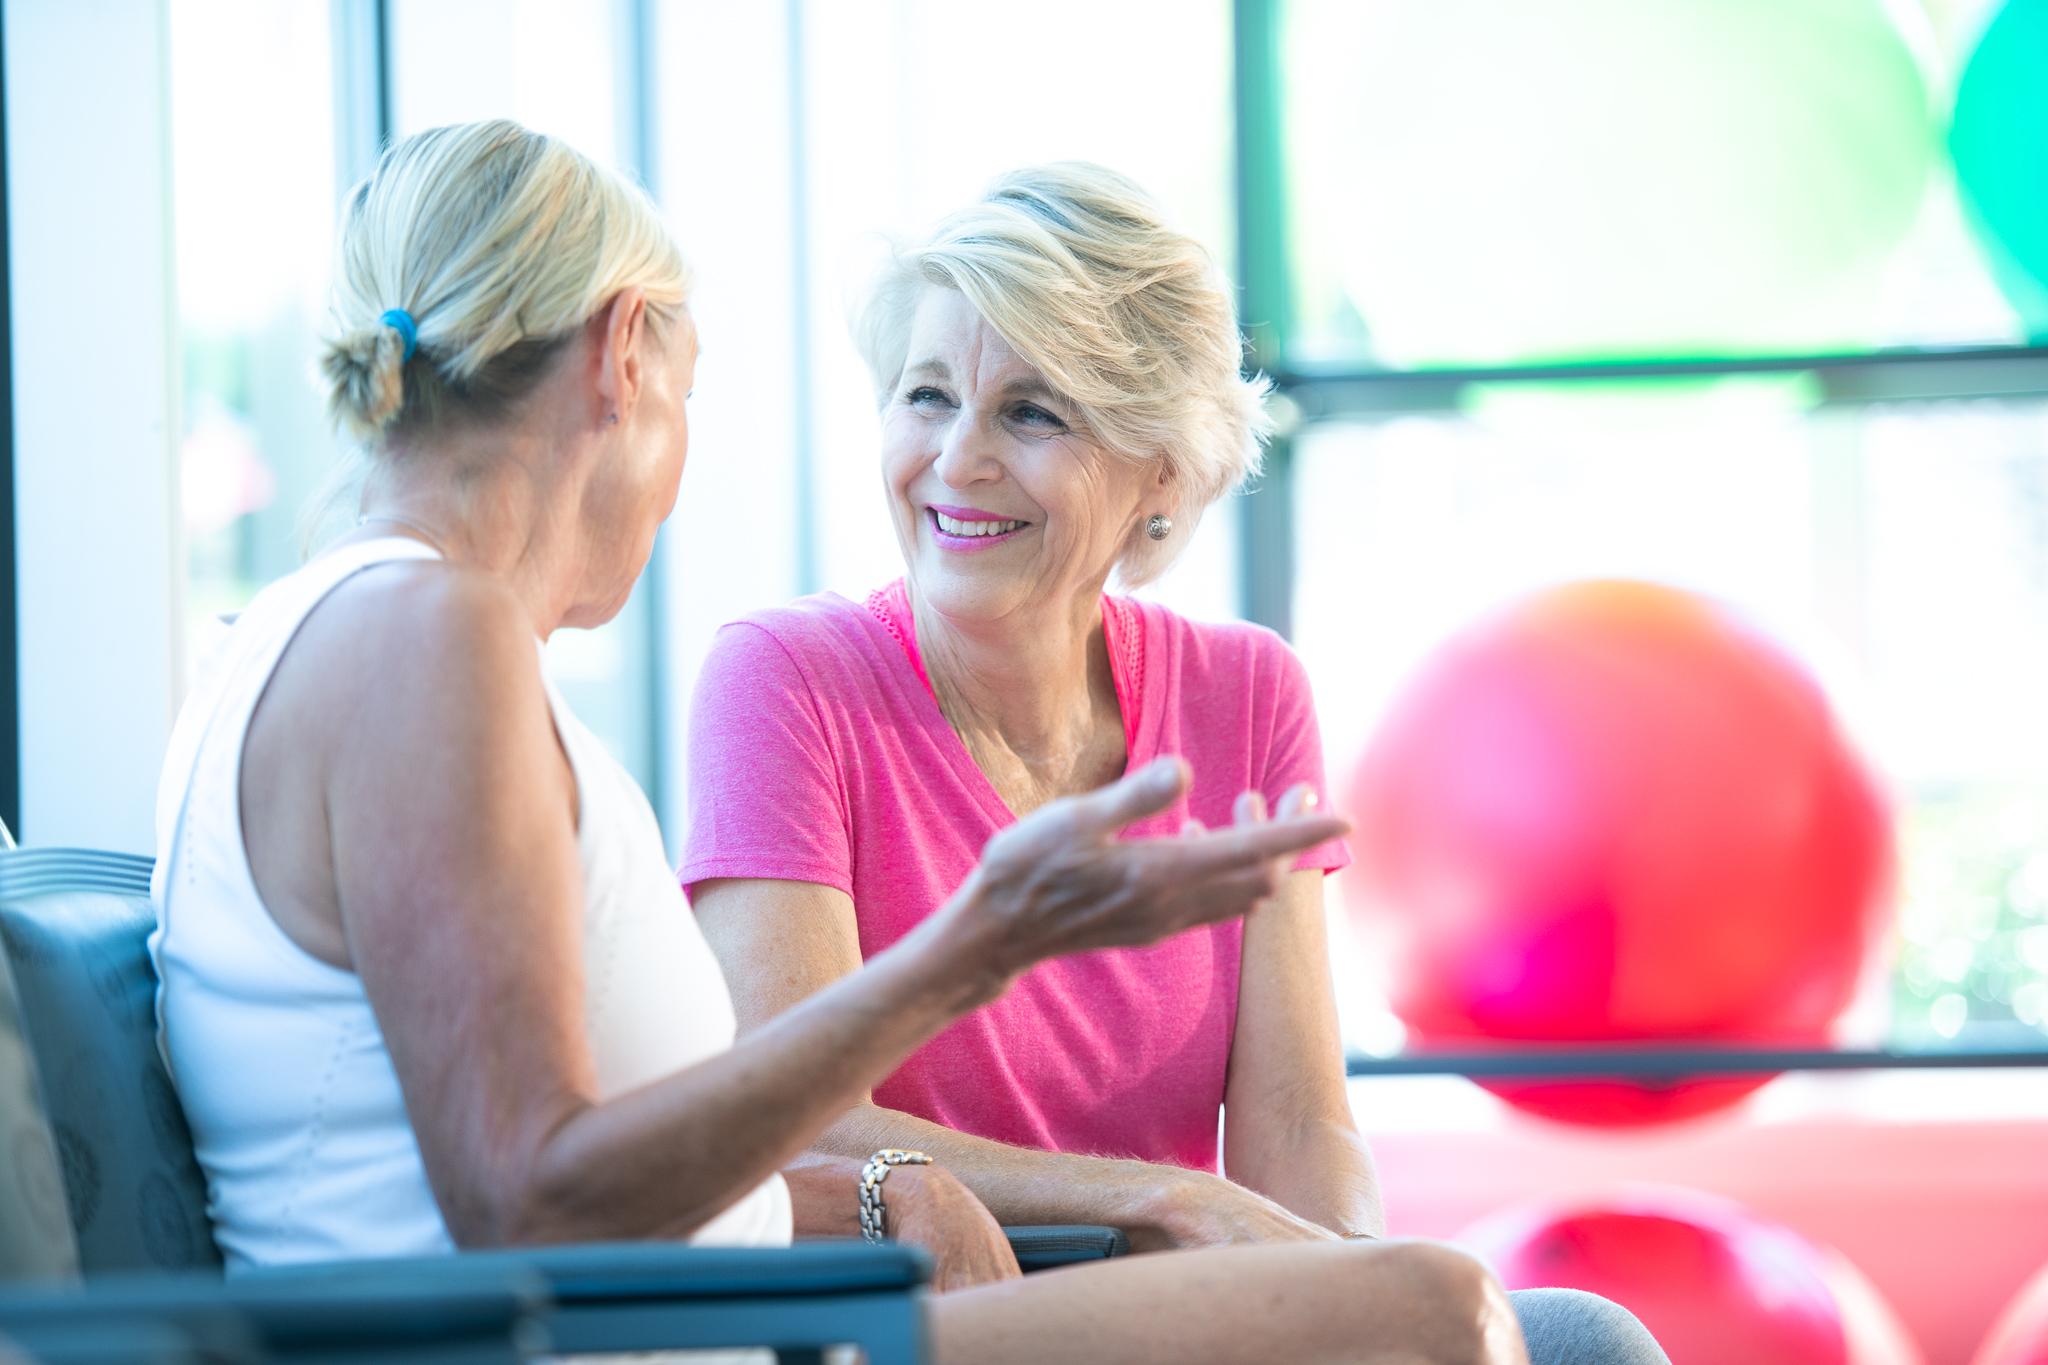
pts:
pixel 1123 632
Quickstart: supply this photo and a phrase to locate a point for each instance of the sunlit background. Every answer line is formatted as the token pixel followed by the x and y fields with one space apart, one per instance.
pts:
pixel 1748 297
pixel 1464 184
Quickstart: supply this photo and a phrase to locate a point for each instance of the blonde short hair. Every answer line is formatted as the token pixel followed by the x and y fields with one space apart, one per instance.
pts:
pixel 1128 319
pixel 499 242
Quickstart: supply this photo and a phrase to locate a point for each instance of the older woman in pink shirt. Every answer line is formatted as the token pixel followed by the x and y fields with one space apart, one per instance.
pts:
pixel 1061 396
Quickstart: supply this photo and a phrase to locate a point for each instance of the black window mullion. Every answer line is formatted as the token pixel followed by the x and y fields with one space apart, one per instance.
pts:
pixel 10 642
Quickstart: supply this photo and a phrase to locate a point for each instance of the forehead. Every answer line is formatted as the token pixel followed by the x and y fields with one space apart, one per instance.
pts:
pixel 946 330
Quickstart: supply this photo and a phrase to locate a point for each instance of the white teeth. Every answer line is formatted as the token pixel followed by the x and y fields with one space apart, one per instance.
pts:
pixel 954 527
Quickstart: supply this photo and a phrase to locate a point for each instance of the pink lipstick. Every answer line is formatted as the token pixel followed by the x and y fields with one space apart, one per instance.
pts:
pixel 965 529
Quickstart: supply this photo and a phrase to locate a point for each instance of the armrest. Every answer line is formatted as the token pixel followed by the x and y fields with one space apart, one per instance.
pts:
pixel 650 1296
pixel 798 1299
pixel 1049 1246
pixel 617 1272
pixel 334 1313
pixel 122 1342
pixel 594 1272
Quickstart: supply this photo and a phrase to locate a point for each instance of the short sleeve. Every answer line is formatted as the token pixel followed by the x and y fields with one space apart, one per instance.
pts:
pixel 1294 751
pixel 764 796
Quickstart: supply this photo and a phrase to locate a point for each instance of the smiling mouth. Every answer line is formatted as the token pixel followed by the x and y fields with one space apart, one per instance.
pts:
pixel 971 530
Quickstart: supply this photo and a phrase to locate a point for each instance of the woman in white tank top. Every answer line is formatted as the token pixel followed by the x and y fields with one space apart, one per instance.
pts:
pixel 427 980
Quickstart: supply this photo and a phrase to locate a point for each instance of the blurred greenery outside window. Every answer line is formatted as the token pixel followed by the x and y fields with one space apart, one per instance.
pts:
pixel 1473 185
pixel 254 211
pixel 1900 552
pixel 257 201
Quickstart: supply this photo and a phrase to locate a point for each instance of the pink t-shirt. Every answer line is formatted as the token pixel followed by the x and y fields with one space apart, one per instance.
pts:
pixel 818 753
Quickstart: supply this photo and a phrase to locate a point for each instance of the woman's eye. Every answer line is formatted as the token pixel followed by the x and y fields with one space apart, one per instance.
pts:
pixel 922 395
pixel 1034 415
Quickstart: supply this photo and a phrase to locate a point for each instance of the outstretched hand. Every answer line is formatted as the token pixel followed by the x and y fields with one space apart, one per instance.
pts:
pixel 1061 880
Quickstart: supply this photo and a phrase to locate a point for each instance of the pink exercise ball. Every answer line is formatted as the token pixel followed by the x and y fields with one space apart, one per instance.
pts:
pixel 1715 1283
pixel 1616 812
pixel 2020 1337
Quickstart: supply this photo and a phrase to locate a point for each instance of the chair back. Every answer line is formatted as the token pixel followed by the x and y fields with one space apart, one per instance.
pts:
pixel 75 924
pixel 35 1235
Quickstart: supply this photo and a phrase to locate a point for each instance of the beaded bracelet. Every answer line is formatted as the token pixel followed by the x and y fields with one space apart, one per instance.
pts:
pixel 873 1217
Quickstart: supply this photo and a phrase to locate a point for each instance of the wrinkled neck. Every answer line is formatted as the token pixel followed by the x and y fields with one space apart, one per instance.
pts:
pixel 1040 686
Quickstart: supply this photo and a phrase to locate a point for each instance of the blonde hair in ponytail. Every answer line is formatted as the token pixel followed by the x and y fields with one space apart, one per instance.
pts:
pixel 499 242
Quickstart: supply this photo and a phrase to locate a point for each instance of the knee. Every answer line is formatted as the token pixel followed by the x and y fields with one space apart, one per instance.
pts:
pixel 1458 1314
pixel 1571 1327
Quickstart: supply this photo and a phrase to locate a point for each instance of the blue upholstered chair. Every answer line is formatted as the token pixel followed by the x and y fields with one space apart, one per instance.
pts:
pixel 97 1179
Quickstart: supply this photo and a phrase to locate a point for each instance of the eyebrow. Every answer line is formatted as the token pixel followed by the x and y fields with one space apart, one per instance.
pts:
pixel 1038 389
pixel 1031 386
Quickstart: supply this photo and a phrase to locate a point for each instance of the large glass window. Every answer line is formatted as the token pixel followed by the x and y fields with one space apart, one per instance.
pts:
pixel 1469 186
pixel 1901 553
pixel 252 271
pixel 559 69
pixel 1473 183
pixel 553 67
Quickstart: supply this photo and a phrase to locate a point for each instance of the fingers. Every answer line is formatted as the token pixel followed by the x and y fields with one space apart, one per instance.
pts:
pixel 1148 791
pixel 1299 799
pixel 1242 845
pixel 1209 901
pixel 1064 884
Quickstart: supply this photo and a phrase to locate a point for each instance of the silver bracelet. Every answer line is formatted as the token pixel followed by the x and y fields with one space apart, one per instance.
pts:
pixel 873 1216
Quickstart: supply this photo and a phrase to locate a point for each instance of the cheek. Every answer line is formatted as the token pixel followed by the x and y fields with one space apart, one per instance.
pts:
pixel 902 451
pixel 1073 491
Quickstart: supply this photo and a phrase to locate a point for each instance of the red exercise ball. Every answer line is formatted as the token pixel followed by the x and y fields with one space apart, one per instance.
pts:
pixel 2020 1336
pixel 1615 812
pixel 1713 1282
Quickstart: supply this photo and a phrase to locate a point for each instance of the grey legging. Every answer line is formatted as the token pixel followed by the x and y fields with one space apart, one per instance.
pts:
pixel 1569 1327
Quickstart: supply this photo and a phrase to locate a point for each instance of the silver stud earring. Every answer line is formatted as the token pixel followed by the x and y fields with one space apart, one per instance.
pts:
pixel 612 420
pixel 1159 527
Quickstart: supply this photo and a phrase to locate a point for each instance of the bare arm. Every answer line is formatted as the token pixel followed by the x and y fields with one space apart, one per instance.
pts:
pixel 451 817
pixel 459 886
pixel 1287 1129
pixel 782 943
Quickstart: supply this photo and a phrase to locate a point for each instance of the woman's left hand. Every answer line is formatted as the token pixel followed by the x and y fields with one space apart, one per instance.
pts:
pixel 929 1207
pixel 1197 1209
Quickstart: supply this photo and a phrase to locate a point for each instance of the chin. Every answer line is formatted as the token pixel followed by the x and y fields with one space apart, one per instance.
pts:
pixel 590 618
pixel 596 612
pixel 969 596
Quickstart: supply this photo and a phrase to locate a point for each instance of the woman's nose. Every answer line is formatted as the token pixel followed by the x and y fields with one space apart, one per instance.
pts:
pixel 965 456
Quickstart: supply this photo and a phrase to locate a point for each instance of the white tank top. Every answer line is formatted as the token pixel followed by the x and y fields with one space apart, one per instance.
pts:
pixel 296 1113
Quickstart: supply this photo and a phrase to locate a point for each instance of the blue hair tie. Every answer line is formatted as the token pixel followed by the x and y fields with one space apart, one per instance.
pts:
pixel 400 321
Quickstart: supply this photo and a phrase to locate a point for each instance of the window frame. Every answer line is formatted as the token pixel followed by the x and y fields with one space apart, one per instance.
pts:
pixel 1306 394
